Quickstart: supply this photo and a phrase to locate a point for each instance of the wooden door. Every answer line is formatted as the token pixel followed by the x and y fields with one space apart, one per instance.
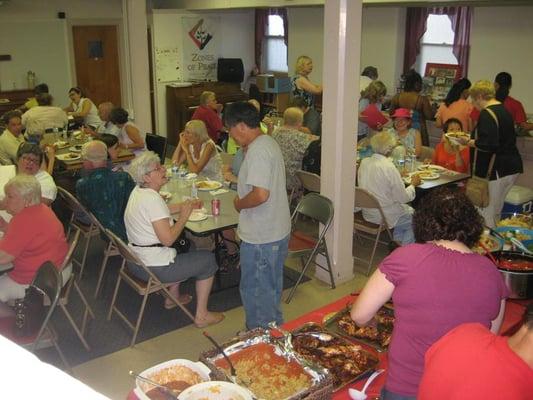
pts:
pixel 97 63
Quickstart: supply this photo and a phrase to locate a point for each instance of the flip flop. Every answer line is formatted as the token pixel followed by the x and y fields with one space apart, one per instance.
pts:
pixel 184 299
pixel 215 319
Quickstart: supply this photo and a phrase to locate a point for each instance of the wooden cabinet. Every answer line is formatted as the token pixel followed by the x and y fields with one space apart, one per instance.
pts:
pixel 15 98
pixel 182 101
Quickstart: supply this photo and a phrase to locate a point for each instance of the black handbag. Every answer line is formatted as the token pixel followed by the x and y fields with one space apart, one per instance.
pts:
pixel 182 244
pixel 29 313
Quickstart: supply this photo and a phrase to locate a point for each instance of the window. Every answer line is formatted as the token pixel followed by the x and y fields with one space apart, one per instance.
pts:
pixel 274 47
pixel 436 46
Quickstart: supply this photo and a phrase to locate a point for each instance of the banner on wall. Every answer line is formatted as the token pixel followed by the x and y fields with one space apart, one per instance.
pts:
pixel 201 48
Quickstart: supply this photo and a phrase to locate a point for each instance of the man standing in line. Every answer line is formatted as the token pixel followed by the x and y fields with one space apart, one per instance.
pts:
pixel 264 220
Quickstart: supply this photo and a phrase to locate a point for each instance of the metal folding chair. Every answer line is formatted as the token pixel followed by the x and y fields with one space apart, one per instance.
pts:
pixel 64 297
pixel 309 181
pixel 143 288
pixel 320 209
pixel 364 199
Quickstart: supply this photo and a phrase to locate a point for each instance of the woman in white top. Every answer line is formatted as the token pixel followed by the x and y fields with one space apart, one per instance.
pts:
pixel 199 151
pixel 129 136
pixel 152 231
pixel 82 107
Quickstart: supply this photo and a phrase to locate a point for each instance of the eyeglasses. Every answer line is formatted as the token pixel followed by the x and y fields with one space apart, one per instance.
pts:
pixel 30 159
pixel 159 168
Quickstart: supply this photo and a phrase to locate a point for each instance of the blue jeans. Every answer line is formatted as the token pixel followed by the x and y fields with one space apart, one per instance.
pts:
pixel 262 281
pixel 403 230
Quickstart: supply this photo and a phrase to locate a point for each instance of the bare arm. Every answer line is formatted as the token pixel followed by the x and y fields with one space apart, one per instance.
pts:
pixel 135 136
pixel 85 109
pixel 305 84
pixel 166 233
pixel 197 167
pixel 69 108
pixel 179 157
pixel 497 323
pixel 377 291
pixel 253 199
pixel 5 258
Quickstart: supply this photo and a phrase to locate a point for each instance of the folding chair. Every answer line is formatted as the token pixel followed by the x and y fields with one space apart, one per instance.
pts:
pixel 157 144
pixel 310 181
pixel 48 281
pixel 64 297
pixel 364 199
pixel 88 231
pixel 426 153
pixel 143 288
pixel 320 209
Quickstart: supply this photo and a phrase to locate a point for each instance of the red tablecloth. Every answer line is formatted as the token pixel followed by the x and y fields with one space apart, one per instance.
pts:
pixel 514 313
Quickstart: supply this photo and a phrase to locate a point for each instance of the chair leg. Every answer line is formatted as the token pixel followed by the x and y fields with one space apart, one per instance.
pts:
pixel 183 308
pixel 114 295
pixel 102 268
pixel 141 313
pixel 326 254
pixel 302 274
pixel 88 310
pixel 373 253
pixel 75 327
pixel 84 257
pixel 53 335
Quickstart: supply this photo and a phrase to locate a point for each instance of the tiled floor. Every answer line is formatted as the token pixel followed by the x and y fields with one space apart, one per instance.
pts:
pixel 109 374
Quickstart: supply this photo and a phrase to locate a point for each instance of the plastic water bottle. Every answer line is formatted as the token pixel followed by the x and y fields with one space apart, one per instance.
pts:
pixel 194 190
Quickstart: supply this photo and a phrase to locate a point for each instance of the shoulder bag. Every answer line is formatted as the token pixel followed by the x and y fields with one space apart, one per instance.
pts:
pixel 29 313
pixel 477 188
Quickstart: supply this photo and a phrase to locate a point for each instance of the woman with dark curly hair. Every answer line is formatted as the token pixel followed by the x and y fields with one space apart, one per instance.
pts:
pixel 436 284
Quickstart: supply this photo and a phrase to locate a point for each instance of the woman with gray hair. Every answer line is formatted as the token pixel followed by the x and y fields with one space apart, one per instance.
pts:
pixel 378 175
pixel 27 249
pixel 152 231
pixel 199 151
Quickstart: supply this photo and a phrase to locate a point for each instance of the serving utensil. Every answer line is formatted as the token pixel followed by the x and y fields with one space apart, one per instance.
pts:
pixel 361 394
pixel 221 350
pixel 517 243
pixel 166 391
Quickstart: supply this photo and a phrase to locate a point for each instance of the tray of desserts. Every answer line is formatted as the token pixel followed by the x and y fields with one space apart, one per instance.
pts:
pixel 345 360
pixel 377 333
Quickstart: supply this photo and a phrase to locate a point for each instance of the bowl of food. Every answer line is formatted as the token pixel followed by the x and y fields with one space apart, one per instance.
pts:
pixel 511 232
pixel 215 390
pixel 487 244
pixel 177 375
pixel 457 138
pixel 517 271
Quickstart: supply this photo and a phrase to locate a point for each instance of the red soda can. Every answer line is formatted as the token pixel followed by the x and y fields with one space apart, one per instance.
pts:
pixel 215 207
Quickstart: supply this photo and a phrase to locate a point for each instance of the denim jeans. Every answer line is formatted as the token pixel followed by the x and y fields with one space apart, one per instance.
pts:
pixel 403 230
pixel 262 281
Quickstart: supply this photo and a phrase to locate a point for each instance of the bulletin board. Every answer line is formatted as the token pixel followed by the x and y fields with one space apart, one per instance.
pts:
pixel 440 78
pixel 167 64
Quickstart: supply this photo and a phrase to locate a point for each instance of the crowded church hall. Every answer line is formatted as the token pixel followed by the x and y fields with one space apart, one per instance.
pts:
pixel 266 200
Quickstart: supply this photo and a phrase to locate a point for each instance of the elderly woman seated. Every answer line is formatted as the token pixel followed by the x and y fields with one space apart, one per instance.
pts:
pixel 198 151
pixel 34 235
pixel 29 162
pixel 379 176
pixel 152 231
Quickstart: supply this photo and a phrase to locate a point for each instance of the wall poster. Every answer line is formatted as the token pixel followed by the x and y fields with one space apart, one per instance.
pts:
pixel 201 48
pixel 440 78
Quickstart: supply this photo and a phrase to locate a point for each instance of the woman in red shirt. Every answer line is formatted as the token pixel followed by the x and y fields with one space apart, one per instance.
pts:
pixel 449 155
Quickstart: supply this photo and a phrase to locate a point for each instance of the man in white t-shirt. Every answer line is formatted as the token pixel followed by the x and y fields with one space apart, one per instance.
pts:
pixel 44 118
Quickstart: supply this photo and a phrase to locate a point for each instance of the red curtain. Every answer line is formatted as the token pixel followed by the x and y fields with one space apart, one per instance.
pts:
pixel 261 25
pixel 460 18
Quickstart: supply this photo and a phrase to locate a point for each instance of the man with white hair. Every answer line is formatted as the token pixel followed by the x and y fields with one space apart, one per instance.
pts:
pixel 293 143
pixel 209 112
pixel 379 176
pixel 104 192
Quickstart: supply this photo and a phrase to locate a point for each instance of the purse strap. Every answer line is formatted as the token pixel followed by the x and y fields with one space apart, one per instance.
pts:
pixel 493 157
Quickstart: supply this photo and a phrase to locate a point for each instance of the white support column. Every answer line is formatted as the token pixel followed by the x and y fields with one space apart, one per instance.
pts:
pixel 138 77
pixel 342 44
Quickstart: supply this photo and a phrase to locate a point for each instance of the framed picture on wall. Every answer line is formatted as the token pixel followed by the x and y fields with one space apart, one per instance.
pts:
pixel 440 78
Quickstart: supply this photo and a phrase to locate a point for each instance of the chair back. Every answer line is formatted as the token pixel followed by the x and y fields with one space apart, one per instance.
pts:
pixel 157 144
pixel 309 181
pixel 73 243
pixel 317 207
pixel 124 249
pixel 365 199
pixel 72 202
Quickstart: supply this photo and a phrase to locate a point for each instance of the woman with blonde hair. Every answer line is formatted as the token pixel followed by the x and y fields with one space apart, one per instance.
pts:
pixel 301 85
pixel 198 151
pixel 494 136
pixel 371 96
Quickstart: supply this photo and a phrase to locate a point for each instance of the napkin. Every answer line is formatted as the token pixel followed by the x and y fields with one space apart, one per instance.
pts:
pixel 219 191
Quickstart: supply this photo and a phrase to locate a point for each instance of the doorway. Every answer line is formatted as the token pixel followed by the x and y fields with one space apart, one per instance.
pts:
pixel 97 62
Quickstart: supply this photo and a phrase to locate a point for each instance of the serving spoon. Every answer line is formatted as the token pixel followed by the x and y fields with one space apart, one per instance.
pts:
pixel 361 394
pixel 165 390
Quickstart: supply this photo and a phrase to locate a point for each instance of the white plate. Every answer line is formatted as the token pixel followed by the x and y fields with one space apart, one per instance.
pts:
pixel 215 390
pixel 61 144
pixel 197 216
pixel 63 157
pixel 197 367
pixel 431 167
pixel 210 185
pixel 453 139
pixel 75 148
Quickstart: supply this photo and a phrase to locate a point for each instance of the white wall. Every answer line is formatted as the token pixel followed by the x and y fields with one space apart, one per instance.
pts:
pixel 237 41
pixel 501 40
pixel 381 44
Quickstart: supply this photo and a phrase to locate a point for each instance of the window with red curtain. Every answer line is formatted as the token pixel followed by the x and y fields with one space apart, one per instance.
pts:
pixel 271 39
pixel 416 25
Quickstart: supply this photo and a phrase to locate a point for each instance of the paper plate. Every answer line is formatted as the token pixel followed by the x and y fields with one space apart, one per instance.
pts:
pixel 452 137
pixel 197 216
pixel 215 390
pixel 76 148
pixel 427 175
pixel 208 185
pixel 61 144
pixel 431 167
pixel 68 157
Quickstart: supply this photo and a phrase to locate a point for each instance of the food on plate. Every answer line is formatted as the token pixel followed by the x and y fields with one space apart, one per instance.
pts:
pixel 208 185
pixel 59 144
pixel 379 333
pixel 177 378
pixel 521 236
pixel 70 156
pixel 431 168
pixel 428 174
pixel 486 243
pixel 457 137
pixel 517 220
pixel 344 360
pixel 516 264
pixel 268 375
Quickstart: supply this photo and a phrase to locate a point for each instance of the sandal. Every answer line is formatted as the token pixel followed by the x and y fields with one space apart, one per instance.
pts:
pixel 184 299
pixel 211 319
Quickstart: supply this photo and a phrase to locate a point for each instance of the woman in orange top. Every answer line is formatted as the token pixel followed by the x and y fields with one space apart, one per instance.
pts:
pixel 449 155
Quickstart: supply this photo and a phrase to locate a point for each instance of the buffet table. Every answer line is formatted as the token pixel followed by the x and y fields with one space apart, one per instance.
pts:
pixel 514 313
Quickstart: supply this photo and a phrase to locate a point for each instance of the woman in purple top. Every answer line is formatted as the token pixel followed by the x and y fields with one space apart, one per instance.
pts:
pixel 436 284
